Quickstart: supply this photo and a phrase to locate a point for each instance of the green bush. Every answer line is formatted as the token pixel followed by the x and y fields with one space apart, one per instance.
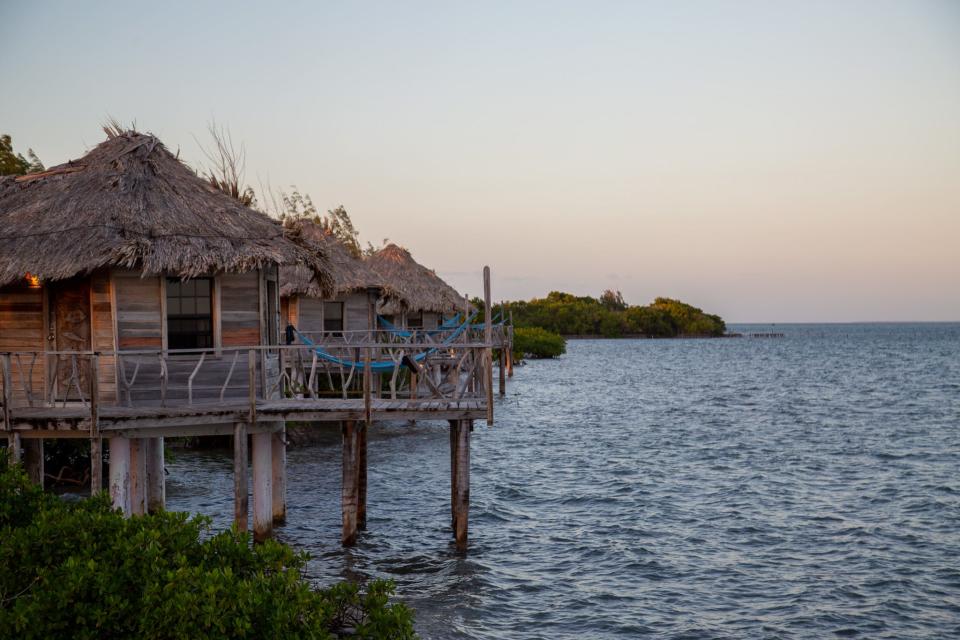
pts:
pixel 81 570
pixel 537 343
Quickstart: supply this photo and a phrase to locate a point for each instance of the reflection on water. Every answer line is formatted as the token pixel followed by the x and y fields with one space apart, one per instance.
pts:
pixel 797 487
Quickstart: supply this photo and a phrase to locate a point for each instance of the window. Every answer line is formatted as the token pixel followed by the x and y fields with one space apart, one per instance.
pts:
pixel 189 319
pixel 415 320
pixel 333 316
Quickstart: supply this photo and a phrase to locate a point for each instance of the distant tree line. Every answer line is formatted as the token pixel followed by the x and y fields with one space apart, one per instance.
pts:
pixel 610 316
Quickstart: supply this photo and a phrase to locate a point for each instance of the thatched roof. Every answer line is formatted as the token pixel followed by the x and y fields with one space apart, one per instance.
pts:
pixel 421 289
pixel 348 272
pixel 130 203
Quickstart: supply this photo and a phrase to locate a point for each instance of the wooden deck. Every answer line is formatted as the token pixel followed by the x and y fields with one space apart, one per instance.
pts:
pixel 215 419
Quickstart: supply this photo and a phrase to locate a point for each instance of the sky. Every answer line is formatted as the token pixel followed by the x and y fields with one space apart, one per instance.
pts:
pixel 766 161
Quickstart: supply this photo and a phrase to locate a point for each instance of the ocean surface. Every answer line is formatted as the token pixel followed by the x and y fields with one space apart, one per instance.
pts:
pixel 805 486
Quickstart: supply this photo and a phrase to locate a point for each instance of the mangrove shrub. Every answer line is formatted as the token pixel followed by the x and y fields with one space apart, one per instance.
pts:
pixel 81 570
pixel 535 342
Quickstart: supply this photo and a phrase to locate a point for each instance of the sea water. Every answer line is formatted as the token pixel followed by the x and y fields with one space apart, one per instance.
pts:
pixel 794 487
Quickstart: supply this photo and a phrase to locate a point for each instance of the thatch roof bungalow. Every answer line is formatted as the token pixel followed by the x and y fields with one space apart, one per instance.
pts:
pixel 128 248
pixel 356 288
pixel 424 298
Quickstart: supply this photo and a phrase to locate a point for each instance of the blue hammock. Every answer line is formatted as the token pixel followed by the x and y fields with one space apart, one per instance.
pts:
pixel 378 366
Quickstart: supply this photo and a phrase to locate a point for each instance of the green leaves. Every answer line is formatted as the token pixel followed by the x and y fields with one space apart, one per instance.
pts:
pixel 81 570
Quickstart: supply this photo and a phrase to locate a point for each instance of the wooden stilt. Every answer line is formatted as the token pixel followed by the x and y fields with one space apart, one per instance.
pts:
pixel 13 447
pixel 120 474
pixel 488 339
pixel 502 366
pixel 510 360
pixel 351 480
pixel 279 445
pixel 462 483
pixel 262 486
pixel 362 477
pixel 96 465
pixel 156 480
pixel 33 459
pixel 453 474
pixel 138 476
pixel 240 493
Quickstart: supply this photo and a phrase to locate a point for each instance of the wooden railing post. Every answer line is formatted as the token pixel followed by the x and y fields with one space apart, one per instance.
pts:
pixel 367 401
pixel 488 340
pixel 96 442
pixel 252 386
pixel 7 391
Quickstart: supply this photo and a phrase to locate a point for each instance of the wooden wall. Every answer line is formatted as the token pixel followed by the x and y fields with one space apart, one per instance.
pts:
pixel 139 310
pixel 22 329
pixel 355 312
pixel 307 314
pixel 240 308
pixel 102 337
pixel 311 314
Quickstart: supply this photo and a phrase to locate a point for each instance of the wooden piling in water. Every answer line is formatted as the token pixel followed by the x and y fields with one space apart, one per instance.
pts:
pixel 362 476
pixel 156 480
pixel 120 474
pixel 279 463
pixel 461 481
pixel 502 367
pixel 350 482
pixel 262 455
pixel 240 493
pixel 453 474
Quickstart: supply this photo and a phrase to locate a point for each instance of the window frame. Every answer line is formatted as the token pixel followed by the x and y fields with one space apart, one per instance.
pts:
pixel 176 319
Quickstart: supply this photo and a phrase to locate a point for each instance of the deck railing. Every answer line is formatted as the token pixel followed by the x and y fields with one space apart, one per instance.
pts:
pixel 364 365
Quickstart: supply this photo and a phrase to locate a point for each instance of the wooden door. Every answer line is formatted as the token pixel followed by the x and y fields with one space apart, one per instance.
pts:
pixel 70 331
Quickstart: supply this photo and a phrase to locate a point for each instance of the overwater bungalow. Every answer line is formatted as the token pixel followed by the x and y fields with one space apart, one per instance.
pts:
pixel 357 289
pixel 424 299
pixel 128 251
pixel 138 301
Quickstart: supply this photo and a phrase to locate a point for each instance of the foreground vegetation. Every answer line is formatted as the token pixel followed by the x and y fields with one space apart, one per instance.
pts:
pixel 609 316
pixel 81 570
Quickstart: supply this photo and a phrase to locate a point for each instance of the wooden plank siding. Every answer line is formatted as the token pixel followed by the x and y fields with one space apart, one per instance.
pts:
pixel 22 328
pixel 355 312
pixel 139 311
pixel 306 313
pixel 102 338
pixel 240 309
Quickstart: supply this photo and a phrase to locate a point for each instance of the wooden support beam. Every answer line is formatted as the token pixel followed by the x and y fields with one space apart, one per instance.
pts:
pixel 13 447
pixel 461 478
pixel 6 402
pixel 509 331
pixel 502 370
pixel 138 476
pixel 488 339
pixel 279 467
pixel 120 474
pixel 362 476
pixel 96 442
pixel 453 474
pixel 262 486
pixel 350 482
pixel 33 459
pixel 240 492
pixel 96 465
pixel 156 480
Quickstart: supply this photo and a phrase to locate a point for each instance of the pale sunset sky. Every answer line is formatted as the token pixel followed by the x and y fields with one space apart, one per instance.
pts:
pixel 767 161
